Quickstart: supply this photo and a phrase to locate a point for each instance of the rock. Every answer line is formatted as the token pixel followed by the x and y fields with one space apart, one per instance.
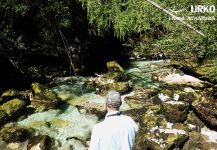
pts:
pixel 3 117
pixel 198 141
pixel 40 142
pixel 122 87
pixel 142 142
pixel 11 94
pixel 104 84
pixel 156 133
pixel 113 66
pixel 13 134
pixel 153 118
pixel 73 144
pixel 160 139
pixel 184 80
pixel 136 114
pixel 194 121
pixel 42 98
pixel 205 108
pixel 114 79
pixel 175 111
pixel 13 107
pixel 141 97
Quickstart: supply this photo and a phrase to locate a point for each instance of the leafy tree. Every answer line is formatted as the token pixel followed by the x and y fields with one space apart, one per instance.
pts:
pixel 128 18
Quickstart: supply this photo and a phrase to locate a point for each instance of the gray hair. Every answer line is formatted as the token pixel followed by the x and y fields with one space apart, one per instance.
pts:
pixel 113 99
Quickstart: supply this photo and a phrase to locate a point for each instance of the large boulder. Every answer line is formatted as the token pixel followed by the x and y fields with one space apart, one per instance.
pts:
pixel 185 80
pixel 13 107
pixel 114 79
pixel 175 111
pixel 141 97
pixel 13 134
pixel 157 133
pixel 194 122
pixel 42 98
pixel 199 141
pixel 205 108
pixel 113 66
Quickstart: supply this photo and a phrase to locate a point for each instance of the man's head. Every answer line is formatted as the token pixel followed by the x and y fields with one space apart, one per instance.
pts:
pixel 113 100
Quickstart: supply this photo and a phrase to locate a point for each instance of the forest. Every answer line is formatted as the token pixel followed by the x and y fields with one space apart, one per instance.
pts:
pixel 45 42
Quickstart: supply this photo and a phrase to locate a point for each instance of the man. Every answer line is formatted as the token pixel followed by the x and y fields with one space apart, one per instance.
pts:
pixel 116 132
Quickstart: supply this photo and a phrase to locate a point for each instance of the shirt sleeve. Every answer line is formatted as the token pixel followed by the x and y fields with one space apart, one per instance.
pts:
pixel 94 142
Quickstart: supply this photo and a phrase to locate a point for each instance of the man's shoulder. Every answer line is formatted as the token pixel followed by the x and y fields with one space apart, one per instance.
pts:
pixel 127 118
pixel 98 125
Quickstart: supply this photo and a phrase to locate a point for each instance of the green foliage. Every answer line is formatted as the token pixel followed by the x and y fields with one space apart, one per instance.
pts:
pixel 123 16
pixel 135 20
pixel 213 71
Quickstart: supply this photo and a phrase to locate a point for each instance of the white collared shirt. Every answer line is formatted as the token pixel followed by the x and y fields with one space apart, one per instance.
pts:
pixel 116 132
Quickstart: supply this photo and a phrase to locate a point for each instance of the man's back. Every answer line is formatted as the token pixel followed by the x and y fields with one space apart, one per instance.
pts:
pixel 116 132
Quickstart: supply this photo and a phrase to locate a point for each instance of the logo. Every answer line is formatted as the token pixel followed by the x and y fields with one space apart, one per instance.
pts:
pixel 202 9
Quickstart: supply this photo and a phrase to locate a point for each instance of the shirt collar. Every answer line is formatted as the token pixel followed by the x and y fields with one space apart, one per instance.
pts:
pixel 112 113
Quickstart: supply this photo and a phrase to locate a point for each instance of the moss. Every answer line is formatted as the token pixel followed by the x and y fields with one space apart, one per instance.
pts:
pixel 143 142
pixel 150 121
pixel 50 95
pixel 37 124
pixel 3 117
pixel 180 126
pixel 43 98
pixel 37 88
pixel 175 112
pixel 113 66
pixel 13 134
pixel 59 123
pixel 13 106
pixel 8 94
pixel 193 119
pixel 171 139
pixel 176 141
pixel 151 118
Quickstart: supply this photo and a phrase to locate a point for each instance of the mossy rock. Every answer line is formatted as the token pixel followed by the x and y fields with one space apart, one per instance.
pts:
pixel 144 143
pixel 159 141
pixel 13 134
pixel 152 118
pixel 12 93
pixel 116 76
pixel 175 111
pixel 141 98
pixel 194 120
pixel 122 87
pixel 38 88
pixel 175 140
pixel 13 107
pixel 42 98
pixel 113 66
pixel 206 110
pixel 9 94
pixel 44 142
pixel 197 141
pixel 3 117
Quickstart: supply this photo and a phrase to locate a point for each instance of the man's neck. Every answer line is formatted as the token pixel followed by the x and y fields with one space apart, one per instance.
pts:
pixel 112 110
